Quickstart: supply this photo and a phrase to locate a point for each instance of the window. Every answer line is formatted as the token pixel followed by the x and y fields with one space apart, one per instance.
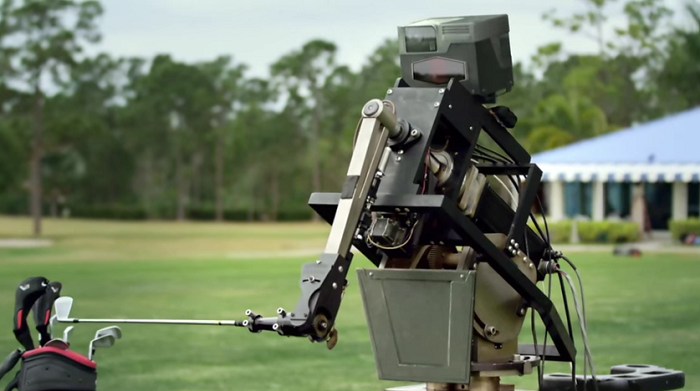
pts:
pixel 578 199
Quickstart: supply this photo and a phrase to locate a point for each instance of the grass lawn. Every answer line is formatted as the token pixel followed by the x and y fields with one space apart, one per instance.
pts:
pixel 643 310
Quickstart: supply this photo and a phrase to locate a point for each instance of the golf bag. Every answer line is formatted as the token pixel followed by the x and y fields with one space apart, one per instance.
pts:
pixel 54 369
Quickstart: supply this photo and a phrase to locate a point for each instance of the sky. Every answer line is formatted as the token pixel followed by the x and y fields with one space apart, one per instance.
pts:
pixel 257 32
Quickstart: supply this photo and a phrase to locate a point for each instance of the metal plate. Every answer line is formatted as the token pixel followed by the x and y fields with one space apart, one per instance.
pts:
pixel 420 323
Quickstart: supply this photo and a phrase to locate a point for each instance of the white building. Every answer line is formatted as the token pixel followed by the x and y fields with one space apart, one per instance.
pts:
pixel 598 177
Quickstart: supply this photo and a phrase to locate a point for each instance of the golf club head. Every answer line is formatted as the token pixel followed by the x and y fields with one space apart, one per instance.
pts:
pixel 62 306
pixel 114 331
pixel 103 341
pixel 57 343
pixel 66 333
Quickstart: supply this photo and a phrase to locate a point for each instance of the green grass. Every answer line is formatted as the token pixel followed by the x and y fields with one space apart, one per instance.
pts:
pixel 642 310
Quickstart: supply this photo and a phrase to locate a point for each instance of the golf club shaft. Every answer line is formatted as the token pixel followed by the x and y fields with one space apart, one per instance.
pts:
pixel 158 321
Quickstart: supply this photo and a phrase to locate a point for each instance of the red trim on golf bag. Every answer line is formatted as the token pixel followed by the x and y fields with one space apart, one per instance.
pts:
pixel 65 353
pixel 19 319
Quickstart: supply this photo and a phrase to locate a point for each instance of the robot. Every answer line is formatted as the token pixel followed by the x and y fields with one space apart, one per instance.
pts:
pixel 444 219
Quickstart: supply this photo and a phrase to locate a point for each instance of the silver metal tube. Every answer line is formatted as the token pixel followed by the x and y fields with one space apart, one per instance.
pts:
pixel 375 108
pixel 157 321
pixel 384 161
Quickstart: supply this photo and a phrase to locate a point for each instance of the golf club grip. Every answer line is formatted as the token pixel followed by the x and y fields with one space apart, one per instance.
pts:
pixel 9 362
pixel 28 292
pixel 42 310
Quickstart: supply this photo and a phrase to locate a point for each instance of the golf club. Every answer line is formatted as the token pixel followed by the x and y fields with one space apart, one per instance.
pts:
pixel 66 333
pixel 28 292
pixel 64 304
pixel 42 311
pixel 103 341
pixel 114 331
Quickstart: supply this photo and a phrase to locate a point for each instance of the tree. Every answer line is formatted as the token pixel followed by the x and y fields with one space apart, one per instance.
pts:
pixel 590 23
pixel 44 42
pixel 228 83
pixel 304 72
pixel 679 76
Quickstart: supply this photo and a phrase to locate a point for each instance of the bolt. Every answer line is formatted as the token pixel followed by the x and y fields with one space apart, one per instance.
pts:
pixel 340 269
pixel 491 331
pixel 335 285
pixel 318 261
pixel 461 276
pixel 517 245
pixel 281 311
pixel 397 209
pixel 390 91
pixel 531 265
pixel 441 91
pixel 398 159
pixel 521 312
pixel 400 152
pixel 406 210
pixel 442 243
pixel 371 108
pixel 414 132
pixel 432 242
pixel 436 104
pixel 248 312
pixel 358 237
pixel 450 106
pixel 512 241
pixel 275 327
pixel 371 274
pixel 312 279
pixel 245 323
pixel 471 128
pixel 510 248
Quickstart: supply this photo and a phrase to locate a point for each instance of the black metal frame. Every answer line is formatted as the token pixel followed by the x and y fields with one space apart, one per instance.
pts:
pixel 460 117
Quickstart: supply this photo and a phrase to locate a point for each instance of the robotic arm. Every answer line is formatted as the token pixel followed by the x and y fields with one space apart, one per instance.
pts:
pixel 444 220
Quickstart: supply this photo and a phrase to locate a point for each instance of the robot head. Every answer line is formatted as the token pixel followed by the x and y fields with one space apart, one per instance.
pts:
pixel 474 50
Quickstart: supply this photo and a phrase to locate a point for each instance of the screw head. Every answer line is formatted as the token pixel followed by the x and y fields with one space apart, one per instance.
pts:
pixel 441 91
pixel 398 159
pixel 371 274
pixel 245 323
pixel 371 108
pixel 414 132
pixel 400 152
pixel 248 312
pixel 436 104
pixel 335 285
pixel 340 269
pixel 390 91
pixel 275 327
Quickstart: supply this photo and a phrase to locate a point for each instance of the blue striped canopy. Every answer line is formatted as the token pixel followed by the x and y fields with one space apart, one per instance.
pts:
pixel 664 150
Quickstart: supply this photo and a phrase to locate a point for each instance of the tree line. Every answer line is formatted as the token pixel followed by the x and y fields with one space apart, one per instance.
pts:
pixel 111 137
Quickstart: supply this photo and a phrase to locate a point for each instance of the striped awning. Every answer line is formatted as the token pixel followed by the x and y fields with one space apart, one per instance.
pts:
pixel 620 172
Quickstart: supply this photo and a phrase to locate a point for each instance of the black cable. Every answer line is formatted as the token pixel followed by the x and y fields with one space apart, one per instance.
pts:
pixel 534 341
pixel 568 323
pixel 546 333
pixel 489 150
